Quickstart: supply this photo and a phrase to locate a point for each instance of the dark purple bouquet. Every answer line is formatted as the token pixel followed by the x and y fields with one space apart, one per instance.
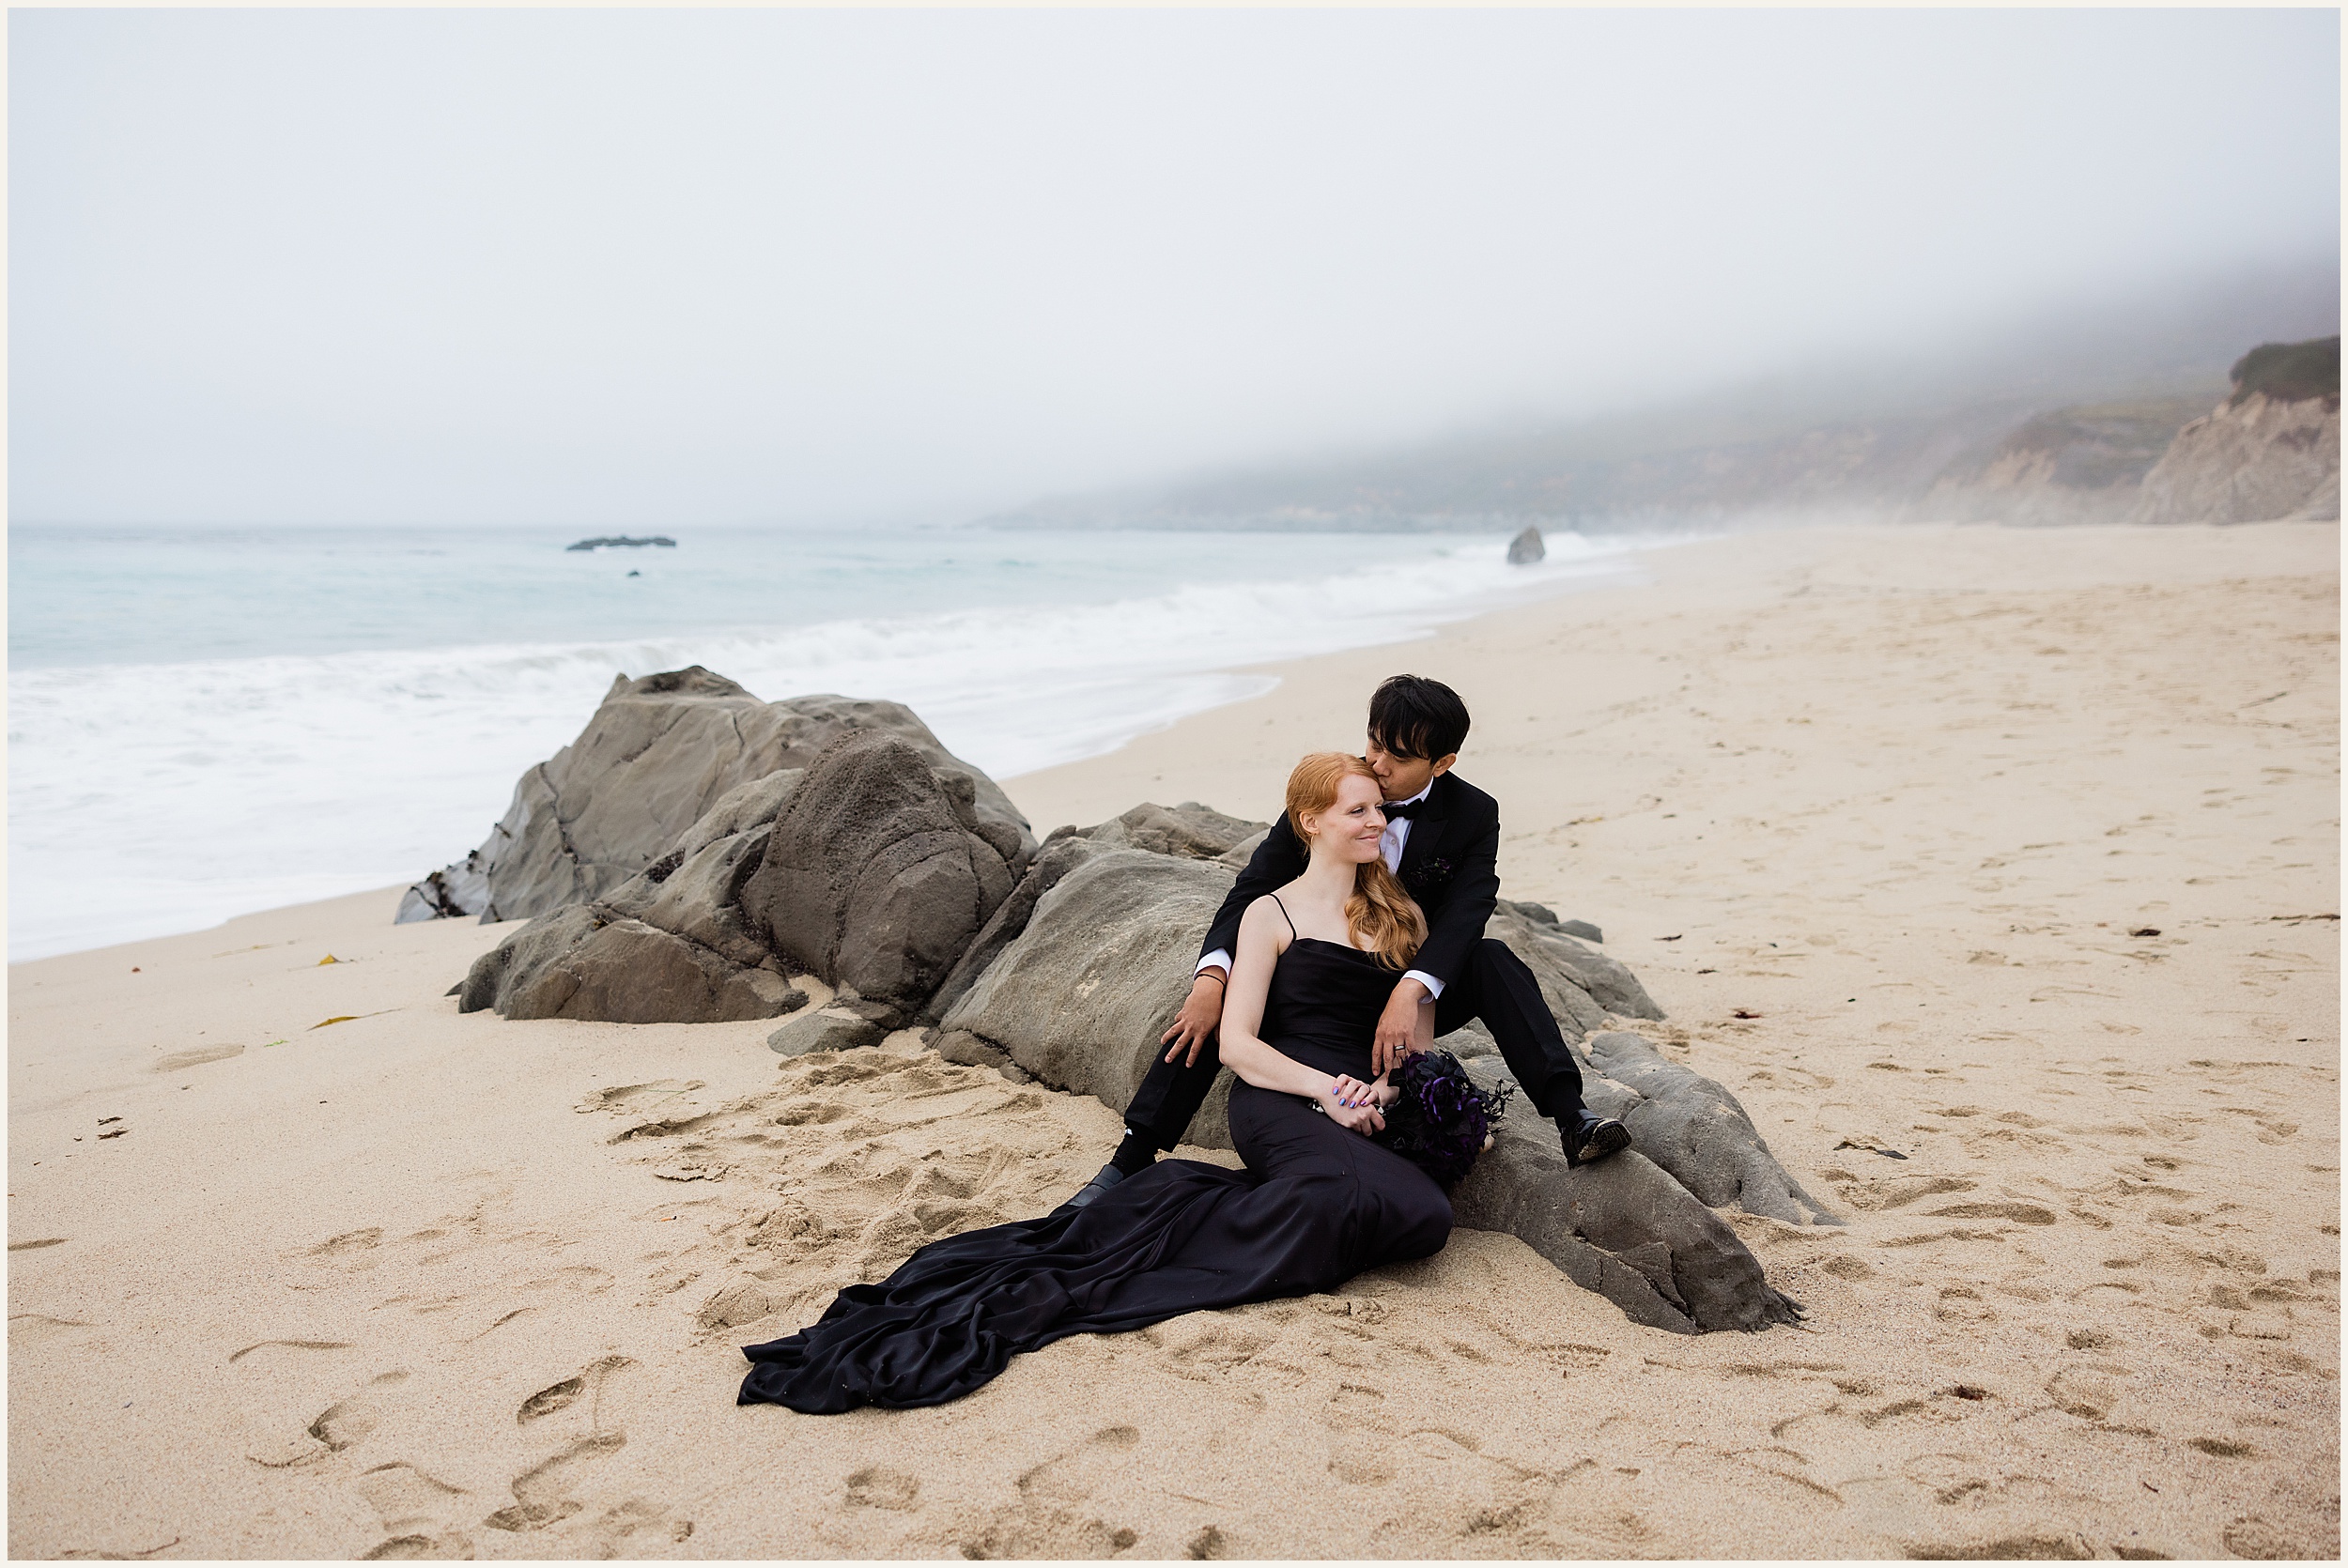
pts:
pixel 1442 1120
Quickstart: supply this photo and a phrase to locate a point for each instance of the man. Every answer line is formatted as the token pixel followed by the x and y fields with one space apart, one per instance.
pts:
pixel 1442 841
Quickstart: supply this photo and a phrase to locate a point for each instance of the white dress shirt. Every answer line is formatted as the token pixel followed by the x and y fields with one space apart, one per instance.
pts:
pixel 1390 844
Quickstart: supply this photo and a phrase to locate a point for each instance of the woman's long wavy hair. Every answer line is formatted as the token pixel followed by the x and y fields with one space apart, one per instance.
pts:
pixel 1385 921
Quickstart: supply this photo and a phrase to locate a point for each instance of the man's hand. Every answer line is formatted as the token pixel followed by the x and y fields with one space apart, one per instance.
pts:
pixel 1398 1027
pixel 1195 1024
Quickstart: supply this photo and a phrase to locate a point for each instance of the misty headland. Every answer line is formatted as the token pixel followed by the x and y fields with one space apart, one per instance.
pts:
pixel 2053 420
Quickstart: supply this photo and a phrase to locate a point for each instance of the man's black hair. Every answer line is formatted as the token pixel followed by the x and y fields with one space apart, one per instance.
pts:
pixel 1412 716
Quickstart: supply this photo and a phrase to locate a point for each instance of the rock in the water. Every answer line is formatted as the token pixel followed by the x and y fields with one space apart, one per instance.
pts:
pixel 1622 1227
pixel 1697 1130
pixel 1080 998
pixel 661 755
pixel 875 875
pixel 825 1029
pixel 622 541
pixel 1526 547
pixel 583 964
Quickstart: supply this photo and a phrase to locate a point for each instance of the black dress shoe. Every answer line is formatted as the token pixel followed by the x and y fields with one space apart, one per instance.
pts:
pixel 1591 1137
pixel 1108 1176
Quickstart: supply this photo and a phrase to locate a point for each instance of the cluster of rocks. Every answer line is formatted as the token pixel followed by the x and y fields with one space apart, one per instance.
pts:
pixel 696 849
pixel 622 541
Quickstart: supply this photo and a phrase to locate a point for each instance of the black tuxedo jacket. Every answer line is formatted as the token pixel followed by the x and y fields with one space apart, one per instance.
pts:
pixel 1450 865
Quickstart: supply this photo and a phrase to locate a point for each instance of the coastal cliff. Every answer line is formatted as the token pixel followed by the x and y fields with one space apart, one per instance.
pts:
pixel 2076 465
pixel 2269 453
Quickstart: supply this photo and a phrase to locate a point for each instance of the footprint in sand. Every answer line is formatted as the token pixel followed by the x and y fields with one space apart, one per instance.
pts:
pixel 289 1345
pixel 623 1521
pixel 878 1486
pixel 409 1503
pixel 541 1493
pixel 1503 1506
pixel 276 1377
pixel 636 1096
pixel 2021 1213
pixel 1883 1193
pixel 2089 1391
pixel 587 1384
pixel 179 1060
pixel 746 1300
pixel 452 1547
pixel 34 1328
pixel 1057 1513
pixel 1961 1304
pixel 352 1250
pixel 341 1425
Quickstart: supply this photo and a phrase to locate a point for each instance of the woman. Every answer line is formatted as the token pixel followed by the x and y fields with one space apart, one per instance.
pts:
pixel 1318 1202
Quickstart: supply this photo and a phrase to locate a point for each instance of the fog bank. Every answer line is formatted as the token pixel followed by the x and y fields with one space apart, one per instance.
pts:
pixel 627 268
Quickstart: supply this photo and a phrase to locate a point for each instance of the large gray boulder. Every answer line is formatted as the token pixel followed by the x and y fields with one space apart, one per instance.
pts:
pixel 1623 1227
pixel 1061 855
pixel 1694 1129
pixel 1577 980
pixel 659 755
pixel 1190 830
pixel 1081 996
pixel 868 869
pixel 875 874
pixel 582 963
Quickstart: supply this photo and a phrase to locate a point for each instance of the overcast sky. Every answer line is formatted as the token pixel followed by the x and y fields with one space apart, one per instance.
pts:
pixel 658 268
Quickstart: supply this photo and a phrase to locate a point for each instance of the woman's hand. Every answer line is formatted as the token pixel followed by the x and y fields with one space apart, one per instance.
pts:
pixel 1355 1114
pixel 1383 1093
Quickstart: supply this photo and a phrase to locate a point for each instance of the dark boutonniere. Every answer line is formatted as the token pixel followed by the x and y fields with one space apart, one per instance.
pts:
pixel 1429 872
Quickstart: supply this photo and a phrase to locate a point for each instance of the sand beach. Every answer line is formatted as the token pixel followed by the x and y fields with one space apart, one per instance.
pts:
pixel 1994 869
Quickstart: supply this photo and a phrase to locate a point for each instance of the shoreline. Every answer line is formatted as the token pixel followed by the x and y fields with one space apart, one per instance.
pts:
pixel 364 763
pixel 2009 853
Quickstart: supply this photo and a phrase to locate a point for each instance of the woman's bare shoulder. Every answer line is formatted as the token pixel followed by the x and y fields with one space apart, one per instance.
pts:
pixel 1267 912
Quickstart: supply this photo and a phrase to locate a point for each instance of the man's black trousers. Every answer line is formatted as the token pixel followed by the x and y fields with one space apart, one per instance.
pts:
pixel 1493 987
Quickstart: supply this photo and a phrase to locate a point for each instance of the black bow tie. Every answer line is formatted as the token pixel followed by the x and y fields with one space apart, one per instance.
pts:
pixel 1403 810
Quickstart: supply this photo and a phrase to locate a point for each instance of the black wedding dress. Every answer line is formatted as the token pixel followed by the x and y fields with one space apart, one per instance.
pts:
pixel 1316 1205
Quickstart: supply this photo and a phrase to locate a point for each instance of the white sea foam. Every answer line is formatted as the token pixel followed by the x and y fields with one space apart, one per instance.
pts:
pixel 150 798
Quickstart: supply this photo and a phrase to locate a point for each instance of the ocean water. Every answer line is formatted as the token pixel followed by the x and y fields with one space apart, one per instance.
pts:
pixel 205 722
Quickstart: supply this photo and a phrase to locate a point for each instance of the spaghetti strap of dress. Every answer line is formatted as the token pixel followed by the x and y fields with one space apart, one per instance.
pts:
pixel 1284 913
